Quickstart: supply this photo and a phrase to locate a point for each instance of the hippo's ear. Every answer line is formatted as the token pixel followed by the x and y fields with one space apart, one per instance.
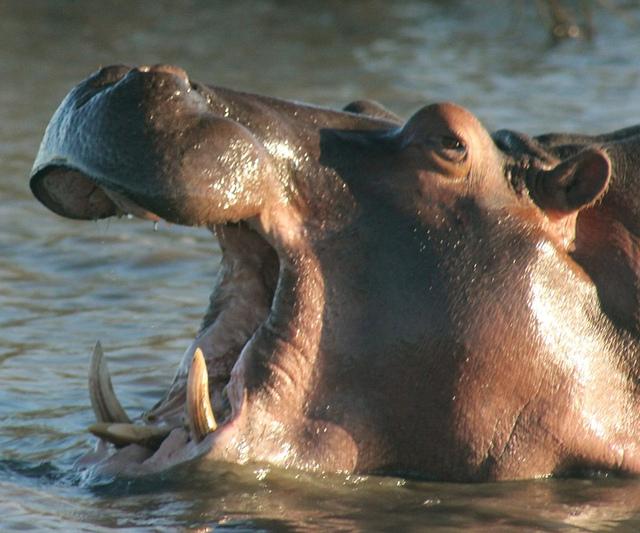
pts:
pixel 574 183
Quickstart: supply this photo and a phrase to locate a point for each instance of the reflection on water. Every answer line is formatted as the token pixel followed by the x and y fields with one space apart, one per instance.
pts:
pixel 258 498
pixel 65 284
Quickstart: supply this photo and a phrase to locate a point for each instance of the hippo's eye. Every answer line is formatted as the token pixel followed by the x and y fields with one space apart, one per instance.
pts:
pixel 452 143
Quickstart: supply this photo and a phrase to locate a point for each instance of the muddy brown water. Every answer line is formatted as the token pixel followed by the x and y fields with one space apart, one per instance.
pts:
pixel 142 292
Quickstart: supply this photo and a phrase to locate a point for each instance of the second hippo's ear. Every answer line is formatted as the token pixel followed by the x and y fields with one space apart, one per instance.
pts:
pixel 574 183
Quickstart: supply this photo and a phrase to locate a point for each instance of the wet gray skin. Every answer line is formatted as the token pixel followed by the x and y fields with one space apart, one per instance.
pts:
pixel 393 298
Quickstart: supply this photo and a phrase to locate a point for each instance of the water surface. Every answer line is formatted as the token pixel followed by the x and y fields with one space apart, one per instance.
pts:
pixel 64 284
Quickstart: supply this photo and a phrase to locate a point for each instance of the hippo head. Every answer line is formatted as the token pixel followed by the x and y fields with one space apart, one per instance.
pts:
pixel 391 298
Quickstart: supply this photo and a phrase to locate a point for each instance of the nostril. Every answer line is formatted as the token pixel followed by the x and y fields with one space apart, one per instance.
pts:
pixel 100 80
pixel 167 69
pixel 110 75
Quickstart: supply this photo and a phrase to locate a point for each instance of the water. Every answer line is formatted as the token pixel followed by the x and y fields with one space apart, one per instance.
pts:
pixel 142 292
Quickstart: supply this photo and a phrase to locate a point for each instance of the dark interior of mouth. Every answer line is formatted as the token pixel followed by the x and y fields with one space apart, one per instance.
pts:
pixel 240 302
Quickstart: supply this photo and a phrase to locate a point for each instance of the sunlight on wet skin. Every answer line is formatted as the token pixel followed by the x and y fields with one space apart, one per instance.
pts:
pixel 283 150
pixel 551 308
pixel 237 156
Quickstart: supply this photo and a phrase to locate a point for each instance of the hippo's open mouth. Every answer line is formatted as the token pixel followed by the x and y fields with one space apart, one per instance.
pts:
pixel 203 397
pixel 207 393
pixel 136 142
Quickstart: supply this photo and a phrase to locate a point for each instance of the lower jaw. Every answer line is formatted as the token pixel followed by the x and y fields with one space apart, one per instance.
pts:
pixel 177 449
pixel 171 446
pixel 183 425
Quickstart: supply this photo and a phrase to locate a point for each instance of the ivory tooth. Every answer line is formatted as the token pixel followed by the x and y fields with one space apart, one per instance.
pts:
pixel 199 411
pixel 122 434
pixel 103 400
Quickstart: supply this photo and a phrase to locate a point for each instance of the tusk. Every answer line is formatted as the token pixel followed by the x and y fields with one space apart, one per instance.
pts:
pixel 199 411
pixel 103 400
pixel 122 434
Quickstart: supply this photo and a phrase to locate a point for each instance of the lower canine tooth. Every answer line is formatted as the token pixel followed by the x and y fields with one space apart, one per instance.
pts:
pixel 103 400
pixel 122 434
pixel 199 410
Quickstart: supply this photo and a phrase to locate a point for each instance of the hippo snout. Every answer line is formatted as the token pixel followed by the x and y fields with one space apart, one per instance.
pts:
pixel 144 133
pixel 178 150
pixel 108 75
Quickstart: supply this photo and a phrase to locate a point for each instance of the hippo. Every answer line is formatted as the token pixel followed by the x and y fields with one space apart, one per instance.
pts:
pixel 394 297
pixel 607 243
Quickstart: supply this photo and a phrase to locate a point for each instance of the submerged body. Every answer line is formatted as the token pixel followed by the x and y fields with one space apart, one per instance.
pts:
pixel 393 298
